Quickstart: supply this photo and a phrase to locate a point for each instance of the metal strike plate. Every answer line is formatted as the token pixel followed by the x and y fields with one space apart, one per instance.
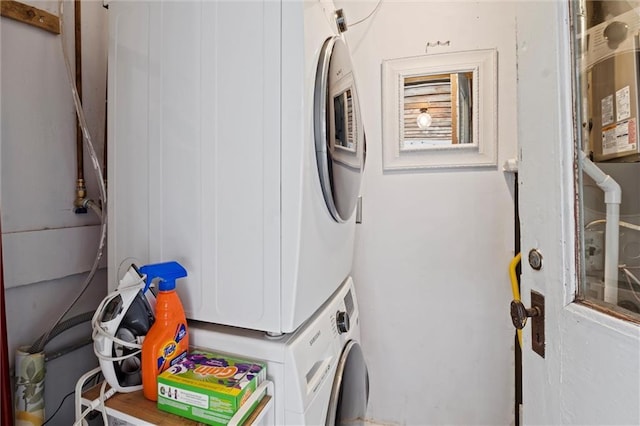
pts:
pixel 537 324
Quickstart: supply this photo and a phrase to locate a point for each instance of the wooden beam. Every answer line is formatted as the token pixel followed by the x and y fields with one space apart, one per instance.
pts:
pixel 30 15
pixel 426 78
pixel 454 109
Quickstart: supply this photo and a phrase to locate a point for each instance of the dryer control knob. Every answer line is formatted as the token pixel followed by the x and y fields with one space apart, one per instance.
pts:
pixel 342 321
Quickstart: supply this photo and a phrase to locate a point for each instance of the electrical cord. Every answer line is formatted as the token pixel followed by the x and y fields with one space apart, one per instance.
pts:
pixel 59 407
pixel 103 398
pixel 333 23
pixel 98 404
pixel 368 16
pixel 624 268
pixel 628 274
pixel 63 400
pixel 622 224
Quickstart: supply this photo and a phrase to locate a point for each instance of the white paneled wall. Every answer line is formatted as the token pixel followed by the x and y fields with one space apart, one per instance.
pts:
pixel 48 248
pixel 432 253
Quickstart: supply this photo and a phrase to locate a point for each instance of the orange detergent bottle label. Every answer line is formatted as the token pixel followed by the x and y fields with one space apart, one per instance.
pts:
pixel 173 350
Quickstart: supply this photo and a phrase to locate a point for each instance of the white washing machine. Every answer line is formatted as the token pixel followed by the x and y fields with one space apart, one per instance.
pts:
pixel 319 372
pixel 236 147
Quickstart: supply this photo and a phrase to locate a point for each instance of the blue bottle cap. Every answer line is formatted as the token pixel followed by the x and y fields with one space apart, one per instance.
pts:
pixel 166 272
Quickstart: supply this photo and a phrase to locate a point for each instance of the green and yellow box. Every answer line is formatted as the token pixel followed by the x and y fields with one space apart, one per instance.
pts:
pixel 209 387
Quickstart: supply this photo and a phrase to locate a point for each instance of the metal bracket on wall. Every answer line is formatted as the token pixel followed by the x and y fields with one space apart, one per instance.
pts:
pixel 436 44
pixel 359 210
pixel 30 15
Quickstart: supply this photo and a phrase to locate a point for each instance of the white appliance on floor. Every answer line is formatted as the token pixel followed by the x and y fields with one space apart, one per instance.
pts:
pixel 319 372
pixel 236 147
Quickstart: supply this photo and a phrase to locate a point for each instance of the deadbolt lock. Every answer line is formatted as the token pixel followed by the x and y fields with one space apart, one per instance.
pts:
pixel 519 314
pixel 535 259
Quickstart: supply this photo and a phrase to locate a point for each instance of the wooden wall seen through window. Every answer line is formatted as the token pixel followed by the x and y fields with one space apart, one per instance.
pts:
pixel 441 96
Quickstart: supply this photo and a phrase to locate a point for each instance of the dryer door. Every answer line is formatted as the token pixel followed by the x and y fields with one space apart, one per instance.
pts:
pixel 338 131
pixel 350 392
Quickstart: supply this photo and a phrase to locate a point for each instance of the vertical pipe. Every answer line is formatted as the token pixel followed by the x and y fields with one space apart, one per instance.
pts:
pixel 5 394
pixel 611 255
pixel 78 49
pixel 612 198
pixel 81 189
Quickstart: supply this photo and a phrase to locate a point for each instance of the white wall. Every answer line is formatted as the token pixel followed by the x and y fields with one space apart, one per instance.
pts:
pixel 48 248
pixel 433 250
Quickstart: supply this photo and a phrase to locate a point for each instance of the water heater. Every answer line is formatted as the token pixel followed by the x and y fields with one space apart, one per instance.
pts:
pixel 612 65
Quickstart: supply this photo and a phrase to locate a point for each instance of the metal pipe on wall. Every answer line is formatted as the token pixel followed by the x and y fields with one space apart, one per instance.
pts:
pixel 81 189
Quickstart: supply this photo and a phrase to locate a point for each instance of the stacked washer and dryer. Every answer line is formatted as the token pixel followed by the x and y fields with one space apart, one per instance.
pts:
pixel 236 147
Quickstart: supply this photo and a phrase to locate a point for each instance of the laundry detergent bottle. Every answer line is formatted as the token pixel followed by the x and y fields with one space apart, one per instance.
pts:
pixel 167 342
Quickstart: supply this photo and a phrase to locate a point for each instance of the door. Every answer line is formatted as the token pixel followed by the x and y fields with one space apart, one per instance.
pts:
pixel 338 131
pixel 590 373
pixel 350 390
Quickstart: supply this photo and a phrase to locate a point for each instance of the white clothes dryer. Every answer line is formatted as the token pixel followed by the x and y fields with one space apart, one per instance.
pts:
pixel 236 147
pixel 319 372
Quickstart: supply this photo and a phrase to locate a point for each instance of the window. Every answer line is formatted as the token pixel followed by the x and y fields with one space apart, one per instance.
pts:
pixel 607 55
pixel 439 111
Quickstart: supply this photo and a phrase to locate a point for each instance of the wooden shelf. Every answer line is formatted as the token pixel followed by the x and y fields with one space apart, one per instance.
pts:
pixel 135 408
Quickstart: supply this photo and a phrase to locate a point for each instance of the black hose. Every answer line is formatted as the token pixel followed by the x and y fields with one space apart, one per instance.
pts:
pixel 38 345
pixel 50 356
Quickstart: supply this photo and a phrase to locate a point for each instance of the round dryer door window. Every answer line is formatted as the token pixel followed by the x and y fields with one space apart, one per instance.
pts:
pixel 350 392
pixel 338 131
